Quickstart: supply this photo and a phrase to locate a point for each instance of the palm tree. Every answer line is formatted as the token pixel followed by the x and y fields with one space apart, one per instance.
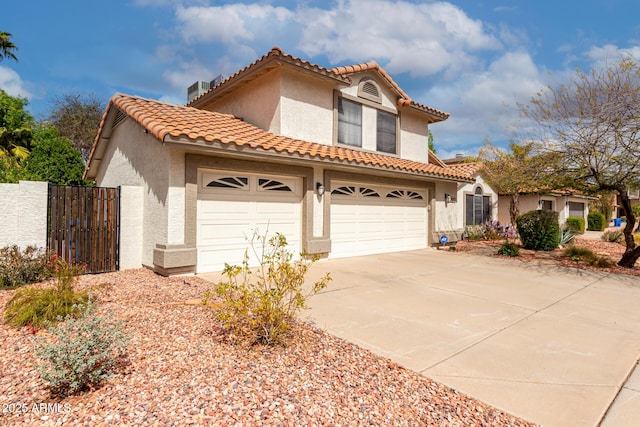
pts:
pixel 7 47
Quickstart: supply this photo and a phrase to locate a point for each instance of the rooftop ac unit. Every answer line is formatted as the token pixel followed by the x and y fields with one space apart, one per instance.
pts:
pixel 197 89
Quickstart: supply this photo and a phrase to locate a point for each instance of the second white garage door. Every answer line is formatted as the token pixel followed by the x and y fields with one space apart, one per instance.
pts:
pixel 232 205
pixel 368 219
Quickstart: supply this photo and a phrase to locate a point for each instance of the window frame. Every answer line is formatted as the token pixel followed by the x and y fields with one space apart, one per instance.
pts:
pixel 477 196
pixel 342 101
pixel 377 108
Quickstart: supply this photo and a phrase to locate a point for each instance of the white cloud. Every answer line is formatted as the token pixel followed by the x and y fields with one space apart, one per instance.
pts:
pixel 232 24
pixel 422 39
pixel 11 83
pixel 601 56
pixel 484 104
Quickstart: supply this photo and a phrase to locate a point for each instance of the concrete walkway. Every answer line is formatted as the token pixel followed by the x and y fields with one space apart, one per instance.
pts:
pixel 553 346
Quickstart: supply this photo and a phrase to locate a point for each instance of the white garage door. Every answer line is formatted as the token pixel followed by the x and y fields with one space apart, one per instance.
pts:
pixel 368 219
pixel 233 205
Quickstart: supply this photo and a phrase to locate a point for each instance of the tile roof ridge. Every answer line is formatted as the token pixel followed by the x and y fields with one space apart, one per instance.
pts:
pixel 275 52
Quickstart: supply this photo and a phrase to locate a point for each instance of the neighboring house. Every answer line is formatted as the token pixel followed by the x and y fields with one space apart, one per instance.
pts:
pixel 335 159
pixel 566 203
pixel 480 203
pixel 477 201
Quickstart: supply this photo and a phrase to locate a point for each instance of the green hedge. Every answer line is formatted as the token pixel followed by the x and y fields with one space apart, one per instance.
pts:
pixel 539 230
pixel 576 224
pixel 596 221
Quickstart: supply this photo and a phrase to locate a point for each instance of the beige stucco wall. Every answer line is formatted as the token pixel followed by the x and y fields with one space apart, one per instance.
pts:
pixel 532 202
pixel 306 108
pixel 23 213
pixel 134 158
pixel 470 188
pixel 446 213
pixel 414 137
pixel 257 102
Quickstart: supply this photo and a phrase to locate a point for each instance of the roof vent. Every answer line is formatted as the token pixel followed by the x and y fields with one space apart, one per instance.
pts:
pixel 368 89
pixel 459 156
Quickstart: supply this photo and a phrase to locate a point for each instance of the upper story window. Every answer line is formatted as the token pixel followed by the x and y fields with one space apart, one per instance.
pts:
pixel 366 125
pixel 386 132
pixel 349 123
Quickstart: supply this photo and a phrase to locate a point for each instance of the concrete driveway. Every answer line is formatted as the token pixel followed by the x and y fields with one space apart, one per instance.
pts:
pixel 553 346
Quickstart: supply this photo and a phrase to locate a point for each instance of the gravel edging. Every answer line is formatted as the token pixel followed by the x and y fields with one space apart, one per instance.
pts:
pixel 181 371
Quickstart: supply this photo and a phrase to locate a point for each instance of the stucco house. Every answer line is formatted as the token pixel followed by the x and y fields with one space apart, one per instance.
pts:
pixel 478 202
pixel 335 159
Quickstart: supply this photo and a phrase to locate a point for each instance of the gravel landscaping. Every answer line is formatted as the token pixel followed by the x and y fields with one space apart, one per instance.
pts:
pixel 612 251
pixel 182 371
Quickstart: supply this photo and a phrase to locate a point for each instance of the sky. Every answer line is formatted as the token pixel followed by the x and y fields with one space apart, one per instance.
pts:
pixel 475 59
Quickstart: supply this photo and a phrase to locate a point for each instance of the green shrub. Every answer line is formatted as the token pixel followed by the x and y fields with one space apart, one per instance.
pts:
pixel 613 236
pixel 19 268
pixel 36 306
pixel 576 253
pixel 509 249
pixel 596 221
pixel 260 306
pixel 539 230
pixel 576 224
pixel 80 352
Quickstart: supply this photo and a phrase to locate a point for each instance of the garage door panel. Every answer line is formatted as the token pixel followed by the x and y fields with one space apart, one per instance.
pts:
pixel 228 217
pixel 367 225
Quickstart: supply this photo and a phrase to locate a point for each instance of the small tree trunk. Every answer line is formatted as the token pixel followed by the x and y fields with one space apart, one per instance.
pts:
pixel 632 253
pixel 514 208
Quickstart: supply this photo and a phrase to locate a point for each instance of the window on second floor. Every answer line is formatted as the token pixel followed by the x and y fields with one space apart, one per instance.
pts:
pixel 381 125
pixel 386 132
pixel 349 123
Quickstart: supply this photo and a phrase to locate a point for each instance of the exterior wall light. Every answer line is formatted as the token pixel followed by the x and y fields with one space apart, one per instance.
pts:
pixel 447 197
pixel 319 189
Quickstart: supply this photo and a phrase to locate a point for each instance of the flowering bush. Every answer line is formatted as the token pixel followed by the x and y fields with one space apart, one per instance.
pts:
pixel 19 268
pixel 490 230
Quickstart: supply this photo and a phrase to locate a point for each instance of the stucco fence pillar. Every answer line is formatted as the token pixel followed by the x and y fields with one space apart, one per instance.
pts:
pixel 23 214
pixel 131 226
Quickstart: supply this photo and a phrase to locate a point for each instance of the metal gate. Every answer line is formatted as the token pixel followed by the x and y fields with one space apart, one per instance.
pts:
pixel 83 226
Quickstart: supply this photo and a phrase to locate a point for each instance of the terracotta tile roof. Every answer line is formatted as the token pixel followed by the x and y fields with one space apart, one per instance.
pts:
pixel 169 122
pixel 404 100
pixel 467 168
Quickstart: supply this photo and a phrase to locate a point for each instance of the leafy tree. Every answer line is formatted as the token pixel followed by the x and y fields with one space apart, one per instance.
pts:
pixel 54 159
pixel 7 47
pixel 592 126
pixel 12 170
pixel 523 170
pixel 432 147
pixel 77 117
pixel 15 126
